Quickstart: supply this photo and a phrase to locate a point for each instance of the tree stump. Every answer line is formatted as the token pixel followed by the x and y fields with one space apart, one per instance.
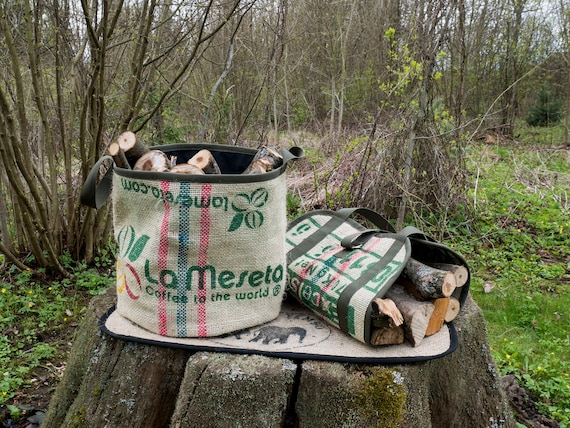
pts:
pixel 114 383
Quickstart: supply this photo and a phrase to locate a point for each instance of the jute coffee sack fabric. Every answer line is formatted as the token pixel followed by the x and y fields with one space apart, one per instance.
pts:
pixel 336 267
pixel 200 255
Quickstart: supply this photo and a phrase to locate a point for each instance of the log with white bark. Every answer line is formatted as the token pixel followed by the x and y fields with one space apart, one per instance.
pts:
pixel 460 272
pixel 153 160
pixel 416 313
pixel 430 283
pixel 132 146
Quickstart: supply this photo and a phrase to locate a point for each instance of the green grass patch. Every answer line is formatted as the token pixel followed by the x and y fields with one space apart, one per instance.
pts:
pixel 517 239
pixel 37 320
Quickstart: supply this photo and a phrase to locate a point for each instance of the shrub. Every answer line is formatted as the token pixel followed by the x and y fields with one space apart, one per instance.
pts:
pixel 547 111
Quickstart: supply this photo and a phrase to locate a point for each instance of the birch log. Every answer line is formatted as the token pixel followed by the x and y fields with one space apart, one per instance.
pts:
pixel 460 272
pixel 430 283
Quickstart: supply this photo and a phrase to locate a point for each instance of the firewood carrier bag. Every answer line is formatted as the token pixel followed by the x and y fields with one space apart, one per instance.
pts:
pixel 337 267
pixel 198 255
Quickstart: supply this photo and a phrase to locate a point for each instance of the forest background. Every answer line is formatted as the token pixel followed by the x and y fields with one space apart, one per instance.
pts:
pixel 387 97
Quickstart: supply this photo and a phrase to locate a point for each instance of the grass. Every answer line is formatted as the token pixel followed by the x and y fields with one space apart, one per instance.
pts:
pixel 514 233
pixel 38 317
pixel 518 246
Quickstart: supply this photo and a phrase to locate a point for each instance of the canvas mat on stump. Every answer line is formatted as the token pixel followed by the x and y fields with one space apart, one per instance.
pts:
pixel 297 334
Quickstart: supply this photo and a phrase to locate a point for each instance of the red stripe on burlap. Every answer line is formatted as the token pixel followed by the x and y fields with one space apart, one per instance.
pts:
pixel 162 262
pixel 205 223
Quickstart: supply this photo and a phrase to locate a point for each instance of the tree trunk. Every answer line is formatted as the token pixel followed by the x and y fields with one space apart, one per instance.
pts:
pixel 110 382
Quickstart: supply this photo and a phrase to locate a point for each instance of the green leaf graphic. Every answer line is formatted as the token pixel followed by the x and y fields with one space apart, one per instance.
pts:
pixel 236 222
pixel 136 250
pixel 241 202
pixel 254 219
pixel 259 197
pixel 126 238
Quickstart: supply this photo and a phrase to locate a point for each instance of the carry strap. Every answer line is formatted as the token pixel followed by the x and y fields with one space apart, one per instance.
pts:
pixel 368 214
pixel 337 218
pixel 95 194
pixel 414 232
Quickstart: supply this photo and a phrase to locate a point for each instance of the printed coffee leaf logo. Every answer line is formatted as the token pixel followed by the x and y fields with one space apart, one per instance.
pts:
pixel 136 250
pixel 127 244
pixel 247 209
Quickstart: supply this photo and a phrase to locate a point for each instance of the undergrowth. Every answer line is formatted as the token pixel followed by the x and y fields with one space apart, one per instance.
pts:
pixel 38 316
pixel 516 239
pixel 513 227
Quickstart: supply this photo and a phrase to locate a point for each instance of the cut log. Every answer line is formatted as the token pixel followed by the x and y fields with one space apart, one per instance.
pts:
pixel 266 159
pixel 186 168
pixel 133 147
pixel 460 272
pixel 118 155
pixel 153 160
pixel 256 168
pixel 416 314
pixel 384 311
pixel 431 283
pixel 438 315
pixel 387 336
pixel 205 161
pixel 409 287
pixel 387 323
pixel 452 309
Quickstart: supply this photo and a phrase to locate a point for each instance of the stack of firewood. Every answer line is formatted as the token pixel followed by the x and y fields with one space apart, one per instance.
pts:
pixel 418 304
pixel 129 152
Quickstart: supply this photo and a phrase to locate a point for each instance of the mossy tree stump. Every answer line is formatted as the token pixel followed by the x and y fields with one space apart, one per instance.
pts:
pixel 113 383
